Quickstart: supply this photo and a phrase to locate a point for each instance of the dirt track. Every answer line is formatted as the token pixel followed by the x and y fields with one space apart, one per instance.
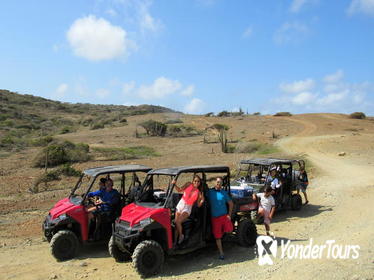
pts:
pixel 341 204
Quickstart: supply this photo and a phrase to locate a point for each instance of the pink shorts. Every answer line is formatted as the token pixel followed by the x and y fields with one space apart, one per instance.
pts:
pixel 265 213
pixel 220 225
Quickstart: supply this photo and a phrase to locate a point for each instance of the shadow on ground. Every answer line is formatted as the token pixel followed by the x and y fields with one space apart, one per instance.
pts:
pixel 306 211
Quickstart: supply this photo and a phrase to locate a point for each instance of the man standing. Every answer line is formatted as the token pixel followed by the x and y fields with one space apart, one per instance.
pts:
pixel 221 217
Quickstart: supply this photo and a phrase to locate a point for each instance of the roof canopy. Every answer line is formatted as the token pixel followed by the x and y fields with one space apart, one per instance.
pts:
pixel 268 161
pixel 191 169
pixel 116 169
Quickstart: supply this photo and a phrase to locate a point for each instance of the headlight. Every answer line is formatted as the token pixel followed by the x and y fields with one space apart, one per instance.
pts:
pixel 146 222
pixel 59 218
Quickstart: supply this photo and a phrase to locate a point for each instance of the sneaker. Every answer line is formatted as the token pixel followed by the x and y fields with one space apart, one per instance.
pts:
pixel 221 257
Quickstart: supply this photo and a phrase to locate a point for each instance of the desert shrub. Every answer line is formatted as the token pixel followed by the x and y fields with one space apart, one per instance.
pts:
pixel 210 114
pixel 123 120
pixel 125 153
pixel 86 122
pixel 174 121
pixel 357 115
pixel 283 114
pixel 224 114
pixel 220 126
pixel 68 170
pixel 230 148
pixel 41 141
pixel 256 113
pixel 97 125
pixel 60 153
pixel 247 147
pixel 182 131
pixel 66 129
pixel 154 128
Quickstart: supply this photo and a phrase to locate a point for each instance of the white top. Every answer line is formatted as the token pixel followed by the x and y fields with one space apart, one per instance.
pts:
pixel 266 202
pixel 274 182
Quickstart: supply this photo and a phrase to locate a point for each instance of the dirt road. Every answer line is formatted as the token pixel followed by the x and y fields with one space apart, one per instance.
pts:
pixel 341 204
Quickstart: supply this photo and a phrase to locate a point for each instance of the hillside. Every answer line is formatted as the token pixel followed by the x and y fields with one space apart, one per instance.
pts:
pixel 25 116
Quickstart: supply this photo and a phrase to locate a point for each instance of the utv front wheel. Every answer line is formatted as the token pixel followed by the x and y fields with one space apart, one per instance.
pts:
pixel 296 202
pixel 148 258
pixel 116 252
pixel 247 233
pixel 64 245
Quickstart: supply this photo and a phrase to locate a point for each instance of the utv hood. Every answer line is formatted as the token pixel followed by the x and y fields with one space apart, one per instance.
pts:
pixel 61 207
pixel 134 213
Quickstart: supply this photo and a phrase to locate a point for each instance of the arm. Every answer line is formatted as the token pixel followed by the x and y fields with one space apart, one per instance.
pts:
pixel 231 206
pixel 200 199
pixel 180 189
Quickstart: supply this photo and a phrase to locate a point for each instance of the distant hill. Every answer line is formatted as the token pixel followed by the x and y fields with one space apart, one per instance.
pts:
pixel 23 115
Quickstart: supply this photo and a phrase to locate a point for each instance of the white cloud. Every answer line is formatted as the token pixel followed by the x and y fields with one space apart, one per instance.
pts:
pixel 160 88
pixel 195 106
pixel 97 39
pixel 102 93
pixel 361 6
pixel 303 98
pixel 146 20
pixel 334 77
pixel 248 32
pixel 290 33
pixel 188 91
pixel 127 88
pixel 60 91
pixel 297 86
pixel 332 98
pixel 296 5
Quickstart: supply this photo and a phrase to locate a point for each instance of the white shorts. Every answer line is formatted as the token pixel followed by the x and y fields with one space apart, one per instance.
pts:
pixel 183 207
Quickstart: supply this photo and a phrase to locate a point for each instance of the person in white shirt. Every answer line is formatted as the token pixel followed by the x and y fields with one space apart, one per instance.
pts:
pixel 266 207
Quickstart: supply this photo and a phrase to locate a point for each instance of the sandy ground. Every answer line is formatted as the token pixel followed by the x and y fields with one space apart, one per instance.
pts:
pixel 341 204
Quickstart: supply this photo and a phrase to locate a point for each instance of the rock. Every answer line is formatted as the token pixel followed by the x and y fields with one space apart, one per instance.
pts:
pixel 53 276
pixel 342 154
pixel 82 264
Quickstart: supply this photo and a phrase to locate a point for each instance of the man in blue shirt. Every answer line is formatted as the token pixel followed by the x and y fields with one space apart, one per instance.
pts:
pixel 108 198
pixel 221 217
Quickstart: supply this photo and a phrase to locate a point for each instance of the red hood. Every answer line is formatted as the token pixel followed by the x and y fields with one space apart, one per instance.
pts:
pixel 133 213
pixel 61 207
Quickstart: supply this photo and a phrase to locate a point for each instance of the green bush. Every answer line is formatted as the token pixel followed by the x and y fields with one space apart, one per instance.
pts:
pixel 154 128
pixel 283 114
pixel 357 115
pixel 255 147
pixel 224 114
pixel 210 114
pixel 60 153
pixel 126 153
pixel 174 121
pixel 182 131
pixel 220 126
pixel 41 141
pixel 97 125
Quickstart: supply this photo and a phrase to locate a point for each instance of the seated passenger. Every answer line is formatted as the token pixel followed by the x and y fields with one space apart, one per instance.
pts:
pixel 192 192
pixel 105 204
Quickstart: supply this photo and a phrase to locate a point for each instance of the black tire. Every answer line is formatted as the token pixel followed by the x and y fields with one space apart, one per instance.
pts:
pixel 247 233
pixel 256 218
pixel 148 258
pixel 64 245
pixel 296 202
pixel 116 252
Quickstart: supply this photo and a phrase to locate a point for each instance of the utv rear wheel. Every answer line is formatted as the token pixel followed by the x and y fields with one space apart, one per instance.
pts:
pixel 116 252
pixel 296 202
pixel 148 258
pixel 64 245
pixel 247 233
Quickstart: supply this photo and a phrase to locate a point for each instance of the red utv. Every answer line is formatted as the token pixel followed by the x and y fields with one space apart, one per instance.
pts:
pixel 66 225
pixel 145 229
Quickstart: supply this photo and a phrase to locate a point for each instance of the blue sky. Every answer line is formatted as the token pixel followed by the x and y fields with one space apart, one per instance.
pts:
pixel 194 56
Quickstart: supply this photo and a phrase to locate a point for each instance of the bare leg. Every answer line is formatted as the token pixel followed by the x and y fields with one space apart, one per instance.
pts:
pixel 178 222
pixel 219 246
pixel 306 197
